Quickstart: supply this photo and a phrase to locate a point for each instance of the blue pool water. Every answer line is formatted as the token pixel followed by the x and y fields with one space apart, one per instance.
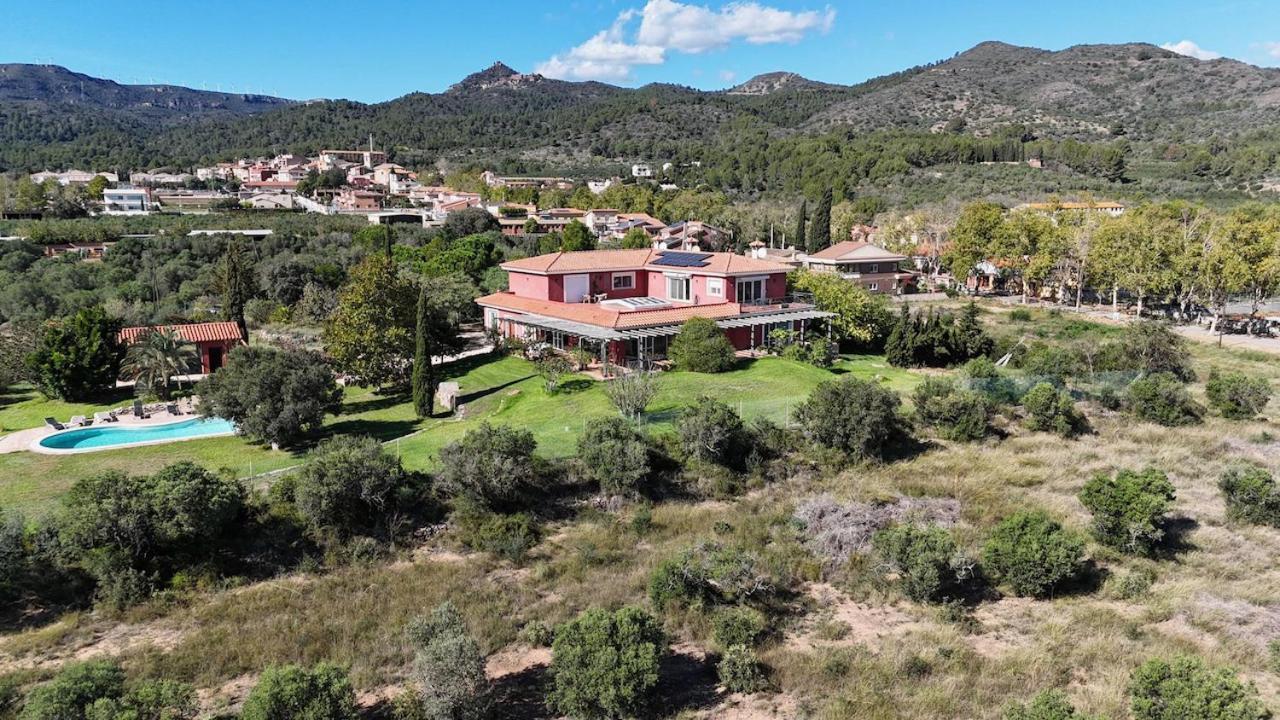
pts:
pixel 105 436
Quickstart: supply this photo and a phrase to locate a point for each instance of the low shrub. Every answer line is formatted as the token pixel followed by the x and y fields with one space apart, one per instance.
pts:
pixel 491 465
pixel 955 414
pixel 552 367
pixel 925 559
pixel 701 346
pixel 711 431
pixel 1128 508
pixel 1048 705
pixel 614 455
pixel 536 633
pixel 1162 399
pixel 856 417
pixel 1020 315
pixel 509 536
pixel 834 531
pixel 740 670
pixel 708 574
pixel 72 691
pixel 1185 688
pixel 1133 584
pixel 291 691
pixel 982 376
pixel 738 626
pixel 349 486
pixel 1052 410
pixel 448 666
pixel 1032 554
pixel 1150 346
pixel 605 664
pixel 1237 396
pixel 1251 496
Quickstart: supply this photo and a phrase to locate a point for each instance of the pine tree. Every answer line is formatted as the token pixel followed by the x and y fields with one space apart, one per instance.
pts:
pixel 799 242
pixel 897 348
pixel 424 375
pixel 236 281
pixel 820 228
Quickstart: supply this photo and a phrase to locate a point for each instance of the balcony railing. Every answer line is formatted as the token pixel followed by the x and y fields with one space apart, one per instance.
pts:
pixel 784 301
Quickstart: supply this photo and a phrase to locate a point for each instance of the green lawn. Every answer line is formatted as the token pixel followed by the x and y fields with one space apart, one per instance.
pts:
pixel 508 391
pixel 501 390
pixel 21 407
pixel 29 481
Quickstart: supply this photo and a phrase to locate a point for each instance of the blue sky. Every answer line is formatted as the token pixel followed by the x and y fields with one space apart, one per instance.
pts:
pixel 374 51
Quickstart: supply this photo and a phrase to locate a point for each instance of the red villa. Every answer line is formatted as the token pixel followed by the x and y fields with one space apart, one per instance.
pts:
pixel 627 304
pixel 213 340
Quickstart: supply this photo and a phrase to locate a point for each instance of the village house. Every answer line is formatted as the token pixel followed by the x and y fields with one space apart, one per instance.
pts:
pixel 869 266
pixel 493 179
pixel 626 305
pixel 212 340
pixel 353 200
pixel 1104 207
pixel 72 177
pixel 625 222
pixel 127 201
pixel 691 235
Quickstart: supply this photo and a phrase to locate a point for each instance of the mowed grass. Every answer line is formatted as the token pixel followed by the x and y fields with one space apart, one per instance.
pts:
pixel 31 482
pixel 508 391
pixel 23 407
pixel 500 390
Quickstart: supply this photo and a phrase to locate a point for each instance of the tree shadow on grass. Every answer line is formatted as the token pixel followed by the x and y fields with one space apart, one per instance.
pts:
pixel 485 392
pixel 377 429
pixel 685 683
pixel 1177 537
pixel 522 695
pixel 381 402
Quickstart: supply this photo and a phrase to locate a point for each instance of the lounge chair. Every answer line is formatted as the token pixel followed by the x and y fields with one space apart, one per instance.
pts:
pixel 76 420
pixel 139 411
pixel 54 424
pixel 102 417
pixel 172 409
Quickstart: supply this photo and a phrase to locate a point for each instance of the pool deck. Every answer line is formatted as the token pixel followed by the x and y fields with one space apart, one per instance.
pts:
pixel 28 440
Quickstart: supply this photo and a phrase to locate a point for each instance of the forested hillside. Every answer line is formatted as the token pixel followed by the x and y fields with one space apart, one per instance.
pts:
pixel 1096 113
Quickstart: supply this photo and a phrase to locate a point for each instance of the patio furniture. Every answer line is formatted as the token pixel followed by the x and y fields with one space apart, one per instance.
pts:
pixel 172 409
pixel 54 424
pixel 102 417
pixel 139 411
pixel 76 420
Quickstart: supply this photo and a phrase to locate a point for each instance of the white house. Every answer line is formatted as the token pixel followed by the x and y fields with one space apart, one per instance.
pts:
pixel 127 201
pixel 641 170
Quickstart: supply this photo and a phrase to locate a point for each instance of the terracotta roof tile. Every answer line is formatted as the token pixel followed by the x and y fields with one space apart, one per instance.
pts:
pixel 604 260
pixel 194 333
pixel 848 247
pixel 601 316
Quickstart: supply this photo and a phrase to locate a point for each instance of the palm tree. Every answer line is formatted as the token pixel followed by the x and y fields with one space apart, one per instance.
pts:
pixel 157 356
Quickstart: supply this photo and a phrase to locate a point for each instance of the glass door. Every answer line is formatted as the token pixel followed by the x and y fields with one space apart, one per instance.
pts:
pixel 750 291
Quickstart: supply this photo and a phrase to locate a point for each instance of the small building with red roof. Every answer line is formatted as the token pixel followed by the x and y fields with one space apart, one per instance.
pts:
pixel 213 340
pixel 627 304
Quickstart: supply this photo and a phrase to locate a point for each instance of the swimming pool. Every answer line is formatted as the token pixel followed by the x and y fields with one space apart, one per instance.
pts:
pixel 101 437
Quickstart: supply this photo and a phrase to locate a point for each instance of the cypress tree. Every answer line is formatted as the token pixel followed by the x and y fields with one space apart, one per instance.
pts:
pixel 235 279
pixel 424 375
pixel 820 228
pixel 897 348
pixel 799 242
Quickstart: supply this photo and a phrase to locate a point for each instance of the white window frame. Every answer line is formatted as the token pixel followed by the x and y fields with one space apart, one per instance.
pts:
pixel 630 278
pixel 687 281
pixel 873 286
pixel 875 267
pixel 715 287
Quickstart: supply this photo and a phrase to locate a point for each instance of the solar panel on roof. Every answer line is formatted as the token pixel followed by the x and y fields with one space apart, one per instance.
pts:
pixel 682 259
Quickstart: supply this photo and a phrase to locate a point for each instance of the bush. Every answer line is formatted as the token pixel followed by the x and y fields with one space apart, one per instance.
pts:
pixel 1033 554
pixel 925 559
pixel 1153 347
pixel 738 626
pixel 510 537
pixel 606 664
pixel 72 691
pixel 1049 363
pixel 984 377
pixel 536 633
pixel 127 531
pixel 291 692
pixel 1160 398
pixel 632 393
pixel 448 667
pixel 1185 688
pixel 1236 396
pixel 348 486
pixel 1133 584
pixel 854 416
pixel 1251 496
pixel 1020 315
pixel 1128 509
pixel 614 455
pixel 552 367
pixel 491 465
pixel 1048 705
pixel 708 574
pixel 273 396
pixel 711 431
pixel 79 357
pixel 740 671
pixel 834 531
pixel 701 346
pixel 956 414
pixel 1052 410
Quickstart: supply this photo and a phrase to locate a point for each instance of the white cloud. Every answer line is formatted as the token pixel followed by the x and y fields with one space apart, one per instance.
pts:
pixel 667 25
pixel 1273 49
pixel 728 76
pixel 1190 49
